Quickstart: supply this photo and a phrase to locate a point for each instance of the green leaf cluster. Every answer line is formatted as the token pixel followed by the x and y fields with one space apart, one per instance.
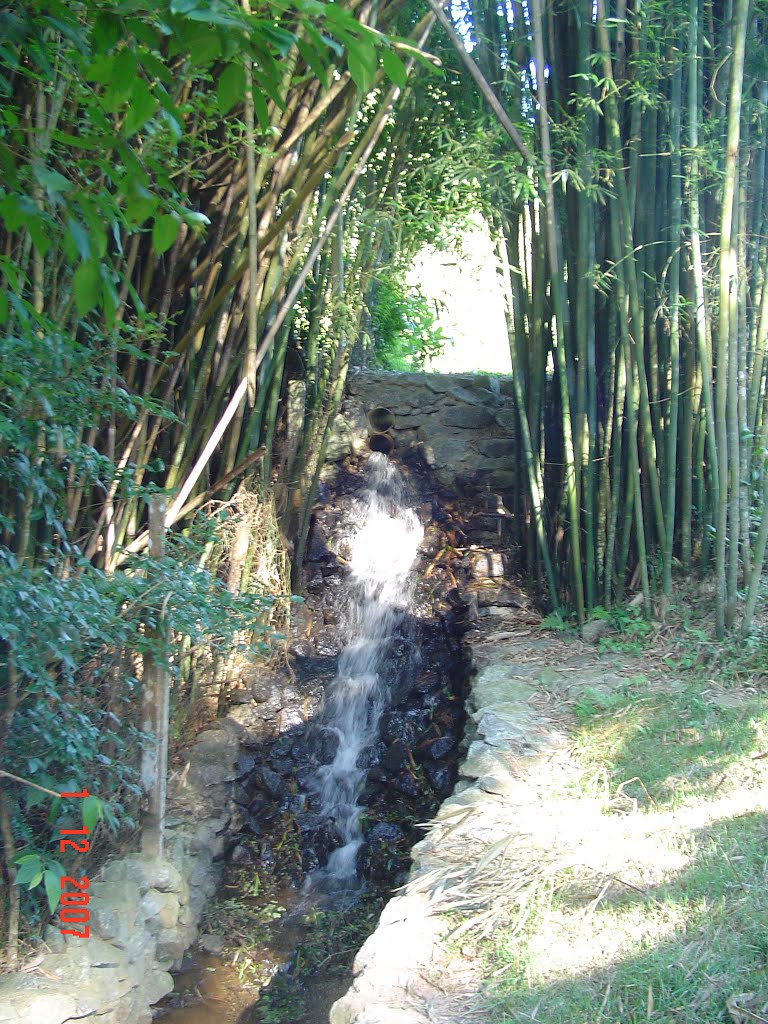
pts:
pixel 403 326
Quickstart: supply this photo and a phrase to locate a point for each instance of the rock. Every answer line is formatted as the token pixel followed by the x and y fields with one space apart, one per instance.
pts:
pixel 395 756
pixel 440 778
pixel 503 479
pixel 593 630
pixel 427 682
pixel 242 856
pixel 312 667
pixel 271 783
pixel 211 943
pixel 406 784
pixel 322 745
pixel 502 597
pixel 442 746
pixel 160 910
pixel 486 564
pixel 384 847
pixel 474 416
pixel 496 448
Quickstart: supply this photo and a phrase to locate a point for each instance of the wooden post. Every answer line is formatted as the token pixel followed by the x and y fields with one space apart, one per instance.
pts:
pixel 155 709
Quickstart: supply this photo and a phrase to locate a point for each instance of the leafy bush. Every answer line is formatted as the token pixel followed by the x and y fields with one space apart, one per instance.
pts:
pixel 73 639
pixel 403 327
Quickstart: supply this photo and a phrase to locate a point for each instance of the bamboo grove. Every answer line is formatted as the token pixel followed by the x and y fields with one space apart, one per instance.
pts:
pixel 631 220
pixel 194 197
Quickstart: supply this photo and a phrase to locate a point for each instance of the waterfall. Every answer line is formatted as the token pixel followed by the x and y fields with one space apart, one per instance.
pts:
pixel 383 551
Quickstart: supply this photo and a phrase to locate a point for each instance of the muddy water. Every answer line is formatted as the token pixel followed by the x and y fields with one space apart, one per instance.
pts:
pixel 216 990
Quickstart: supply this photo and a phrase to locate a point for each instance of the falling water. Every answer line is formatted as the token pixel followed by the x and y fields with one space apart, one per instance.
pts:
pixel 383 552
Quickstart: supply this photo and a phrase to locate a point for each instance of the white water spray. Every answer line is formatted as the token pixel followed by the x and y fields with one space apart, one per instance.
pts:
pixel 383 552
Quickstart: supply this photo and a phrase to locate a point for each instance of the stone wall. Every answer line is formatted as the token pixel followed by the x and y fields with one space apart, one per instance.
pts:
pixel 143 913
pixel 465 425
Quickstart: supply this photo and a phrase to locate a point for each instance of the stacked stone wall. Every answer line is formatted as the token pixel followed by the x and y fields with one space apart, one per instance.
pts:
pixel 144 912
pixel 465 425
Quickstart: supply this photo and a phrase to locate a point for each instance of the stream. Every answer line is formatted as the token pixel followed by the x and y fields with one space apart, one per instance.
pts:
pixel 385 739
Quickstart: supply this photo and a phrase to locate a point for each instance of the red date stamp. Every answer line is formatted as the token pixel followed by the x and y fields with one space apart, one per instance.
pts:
pixel 74 901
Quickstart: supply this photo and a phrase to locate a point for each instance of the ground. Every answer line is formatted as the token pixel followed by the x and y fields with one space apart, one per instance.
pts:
pixel 605 860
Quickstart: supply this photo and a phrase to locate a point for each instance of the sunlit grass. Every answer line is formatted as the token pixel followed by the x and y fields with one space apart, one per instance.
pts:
pixel 662 748
pixel 655 907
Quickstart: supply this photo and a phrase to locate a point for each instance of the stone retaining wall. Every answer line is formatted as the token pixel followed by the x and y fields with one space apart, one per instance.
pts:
pixel 464 424
pixel 144 913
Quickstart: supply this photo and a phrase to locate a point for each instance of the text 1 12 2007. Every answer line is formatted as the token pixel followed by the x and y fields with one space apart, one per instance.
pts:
pixel 74 904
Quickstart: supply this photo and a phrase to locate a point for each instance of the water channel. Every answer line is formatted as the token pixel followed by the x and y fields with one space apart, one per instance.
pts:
pixel 383 546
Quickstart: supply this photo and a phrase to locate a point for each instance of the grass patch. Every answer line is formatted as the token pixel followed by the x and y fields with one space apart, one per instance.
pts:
pixel 676 953
pixel 660 749
pixel 656 906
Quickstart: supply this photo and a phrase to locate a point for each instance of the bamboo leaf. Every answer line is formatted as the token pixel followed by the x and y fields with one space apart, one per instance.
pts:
pixel 394 68
pixel 79 238
pixel 143 106
pixel 261 109
pixel 362 64
pixel 164 232
pixel 313 60
pixel 107 31
pixel 87 286
pixel 231 87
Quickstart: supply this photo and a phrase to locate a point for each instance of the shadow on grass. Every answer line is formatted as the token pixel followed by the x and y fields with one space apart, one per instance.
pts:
pixel 659 748
pixel 678 951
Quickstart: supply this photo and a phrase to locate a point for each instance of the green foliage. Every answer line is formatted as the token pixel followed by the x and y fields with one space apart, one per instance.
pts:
pixel 330 942
pixel 556 622
pixel 633 629
pixel 83 186
pixel 76 640
pixel 403 327
pixel 34 868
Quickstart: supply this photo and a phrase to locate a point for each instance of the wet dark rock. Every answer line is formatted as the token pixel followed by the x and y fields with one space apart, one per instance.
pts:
pixel 377 776
pixel 315 582
pixel 240 794
pixel 318 545
pixel 258 803
pixel 440 777
pixel 314 667
pixel 322 745
pixel 245 763
pixel 320 837
pixel 395 756
pixel 442 747
pixel 407 784
pixel 427 682
pixel 304 775
pixel 271 783
pixel 242 855
pixel 383 851
pixel 308 821
pixel 282 747
pixel 327 642
pixel 253 824
pixel 282 766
